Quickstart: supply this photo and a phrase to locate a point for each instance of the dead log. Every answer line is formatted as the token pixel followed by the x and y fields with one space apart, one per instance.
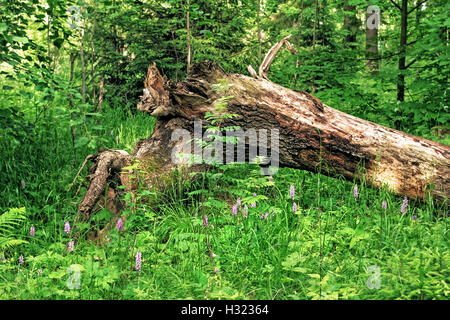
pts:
pixel 311 134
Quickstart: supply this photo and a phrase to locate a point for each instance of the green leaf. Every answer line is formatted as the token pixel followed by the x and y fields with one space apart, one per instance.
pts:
pixel 21 40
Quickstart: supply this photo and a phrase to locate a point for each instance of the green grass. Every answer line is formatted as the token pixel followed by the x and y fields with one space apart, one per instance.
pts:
pixel 322 251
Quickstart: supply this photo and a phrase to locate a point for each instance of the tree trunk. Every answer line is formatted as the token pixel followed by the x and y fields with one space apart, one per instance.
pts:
pixel 310 135
pixel 188 30
pixel 371 45
pixel 350 24
pixel 299 39
pixel 83 70
pixel 402 59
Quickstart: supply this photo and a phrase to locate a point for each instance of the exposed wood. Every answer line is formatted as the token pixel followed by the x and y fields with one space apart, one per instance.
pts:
pixel 108 164
pixel 268 58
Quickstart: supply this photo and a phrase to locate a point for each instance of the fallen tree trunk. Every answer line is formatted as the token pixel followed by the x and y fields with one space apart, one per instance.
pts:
pixel 311 134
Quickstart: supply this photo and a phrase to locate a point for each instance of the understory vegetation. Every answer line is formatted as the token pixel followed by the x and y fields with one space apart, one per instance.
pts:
pixel 234 233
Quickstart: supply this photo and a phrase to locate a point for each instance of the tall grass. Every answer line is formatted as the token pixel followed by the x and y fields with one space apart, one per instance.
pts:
pixel 321 251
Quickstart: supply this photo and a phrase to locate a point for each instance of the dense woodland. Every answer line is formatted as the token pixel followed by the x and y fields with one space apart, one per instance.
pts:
pixel 71 75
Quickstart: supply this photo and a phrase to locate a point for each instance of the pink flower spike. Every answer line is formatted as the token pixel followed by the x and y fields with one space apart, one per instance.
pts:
pixel 404 205
pixel 32 231
pixel 119 224
pixel 355 192
pixel 138 261
pixel 67 227
pixel 294 207
pixel 292 192
pixel 21 259
pixel 235 210
pixel 384 204
pixel 70 246
pixel 238 202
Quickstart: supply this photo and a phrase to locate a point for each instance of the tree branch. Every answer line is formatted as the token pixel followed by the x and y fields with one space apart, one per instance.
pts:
pixel 420 3
pixel 409 64
pixel 395 4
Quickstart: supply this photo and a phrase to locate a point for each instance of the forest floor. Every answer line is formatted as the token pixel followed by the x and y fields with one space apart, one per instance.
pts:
pixel 335 245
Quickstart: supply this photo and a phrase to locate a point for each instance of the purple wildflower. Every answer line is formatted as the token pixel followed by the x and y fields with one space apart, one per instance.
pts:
pixel 261 217
pixel 20 259
pixel 384 204
pixel 292 192
pixel 294 207
pixel 404 204
pixel 266 215
pixel 32 231
pixel 414 217
pixel 238 202
pixel 138 261
pixel 254 194
pixel 205 221
pixel 213 255
pixel 355 192
pixel 67 227
pixel 119 224
pixel 235 210
pixel 245 211
pixel 270 178
pixel 253 205
pixel 70 246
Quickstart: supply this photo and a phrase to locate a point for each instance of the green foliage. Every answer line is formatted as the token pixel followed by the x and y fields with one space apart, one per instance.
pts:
pixel 320 251
pixel 9 221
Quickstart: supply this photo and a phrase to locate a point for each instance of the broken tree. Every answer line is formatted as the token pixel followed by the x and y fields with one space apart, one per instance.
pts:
pixel 311 134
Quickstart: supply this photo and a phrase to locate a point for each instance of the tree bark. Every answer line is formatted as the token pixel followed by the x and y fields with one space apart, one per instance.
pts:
pixel 402 59
pixel 350 24
pixel 188 30
pixel 371 47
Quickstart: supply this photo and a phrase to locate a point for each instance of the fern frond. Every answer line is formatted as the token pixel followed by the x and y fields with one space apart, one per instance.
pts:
pixel 8 223
pixel 8 242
